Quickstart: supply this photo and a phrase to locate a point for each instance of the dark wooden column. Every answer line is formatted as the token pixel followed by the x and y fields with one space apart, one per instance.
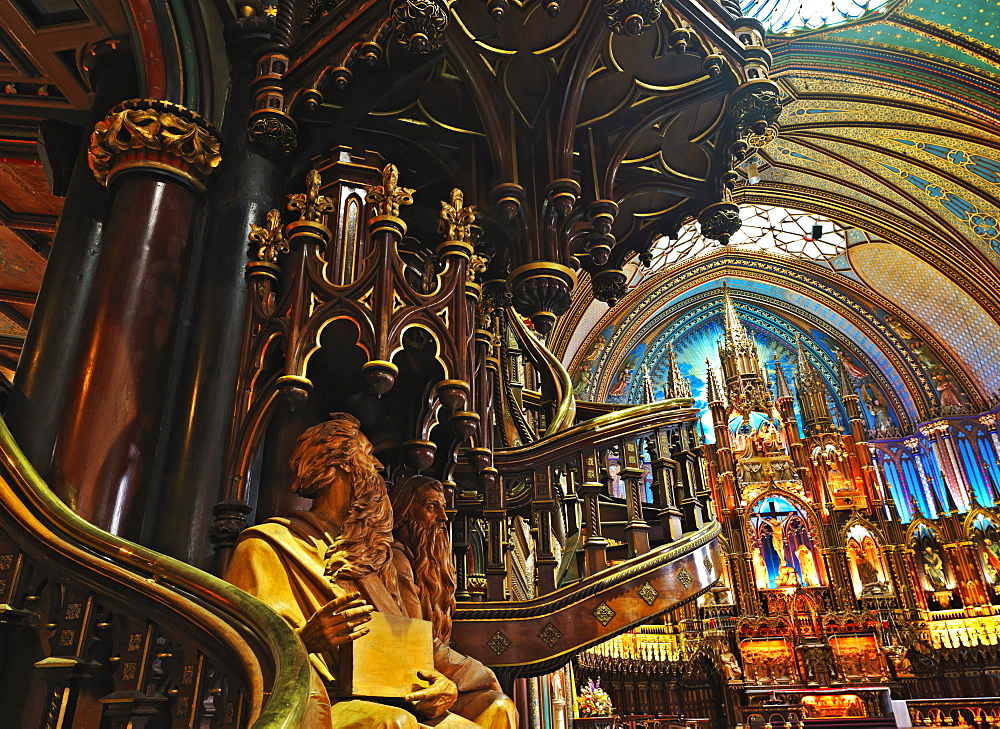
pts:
pixel 543 505
pixel 495 515
pixel 250 183
pixel 636 530
pixel 44 371
pixel 595 546
pixel 154 156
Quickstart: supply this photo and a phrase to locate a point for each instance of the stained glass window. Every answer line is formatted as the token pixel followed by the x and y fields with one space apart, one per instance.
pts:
pixel 787 16
pixel 774 229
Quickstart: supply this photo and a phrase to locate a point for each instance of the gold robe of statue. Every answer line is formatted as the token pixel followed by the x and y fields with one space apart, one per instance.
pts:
pixel 282 563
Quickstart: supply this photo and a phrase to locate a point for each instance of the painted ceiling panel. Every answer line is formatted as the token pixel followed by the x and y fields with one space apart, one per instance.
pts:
pixel 901 38
pixel 968 331
pixel 969 214
pixel 975 165
pixel 815 169
pixel 972 18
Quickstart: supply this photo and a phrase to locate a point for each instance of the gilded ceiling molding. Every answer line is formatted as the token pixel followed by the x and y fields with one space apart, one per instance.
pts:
pixel 849 64
pixel 148 134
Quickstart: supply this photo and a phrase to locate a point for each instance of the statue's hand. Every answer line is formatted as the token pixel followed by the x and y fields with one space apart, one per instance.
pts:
pixel 437 698
pixel 339 621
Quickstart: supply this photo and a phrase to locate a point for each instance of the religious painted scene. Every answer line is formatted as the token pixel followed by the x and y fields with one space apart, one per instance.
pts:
pixel 513 364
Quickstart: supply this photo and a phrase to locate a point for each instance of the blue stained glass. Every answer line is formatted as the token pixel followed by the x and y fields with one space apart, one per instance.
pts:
pixel 913 482
pixel 990 461
pixel 973 476
pixel 933 471
pixel 898 494
pixel 787 16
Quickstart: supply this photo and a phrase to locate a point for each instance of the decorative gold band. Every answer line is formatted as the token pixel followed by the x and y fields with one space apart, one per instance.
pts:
pixel 157 135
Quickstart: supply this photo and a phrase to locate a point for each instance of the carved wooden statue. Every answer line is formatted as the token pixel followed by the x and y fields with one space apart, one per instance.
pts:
pixel 325 570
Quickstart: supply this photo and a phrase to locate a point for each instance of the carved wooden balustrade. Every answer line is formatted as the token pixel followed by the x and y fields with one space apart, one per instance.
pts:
pixel 98 632
pixel 556 482
pixel 979 712
pixel 553 477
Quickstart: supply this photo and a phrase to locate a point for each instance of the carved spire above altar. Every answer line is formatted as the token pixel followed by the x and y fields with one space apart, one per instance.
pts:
pixel 678 385
pixel 746 387
pixel 811 389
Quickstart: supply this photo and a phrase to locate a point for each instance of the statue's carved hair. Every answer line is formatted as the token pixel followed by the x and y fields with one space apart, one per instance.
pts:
pixel 365 541
pixel 430 548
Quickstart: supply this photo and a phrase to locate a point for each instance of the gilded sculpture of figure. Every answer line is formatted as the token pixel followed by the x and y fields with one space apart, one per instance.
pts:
pixel 325 570
pixel 731 667
pixel 993 557
pixel 807 566
pixel 759 570
pixel 866 570
pixel 934 569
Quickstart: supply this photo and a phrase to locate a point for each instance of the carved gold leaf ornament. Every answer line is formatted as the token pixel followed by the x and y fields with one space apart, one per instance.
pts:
pixel 180 139
pixel 477 264
pixel 684 577
pixel 270 239
pixel 604 613
pixel 456 221
pixel 648 593
pixel 550 635
pixel 388 197
pixel 499 642
pixel 312 205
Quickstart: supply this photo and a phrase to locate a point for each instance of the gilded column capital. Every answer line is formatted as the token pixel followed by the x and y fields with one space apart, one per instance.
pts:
pixel 154 134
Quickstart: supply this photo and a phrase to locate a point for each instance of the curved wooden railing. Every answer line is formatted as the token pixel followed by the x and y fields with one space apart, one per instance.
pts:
pixel 555 378
pixel 532 637
pixel 112 633
pixel 602 431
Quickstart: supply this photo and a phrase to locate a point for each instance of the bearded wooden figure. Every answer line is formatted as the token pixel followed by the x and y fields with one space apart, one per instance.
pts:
pixel 325 570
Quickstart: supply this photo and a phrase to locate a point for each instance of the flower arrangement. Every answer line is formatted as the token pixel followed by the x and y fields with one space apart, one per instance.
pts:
pixel 594 701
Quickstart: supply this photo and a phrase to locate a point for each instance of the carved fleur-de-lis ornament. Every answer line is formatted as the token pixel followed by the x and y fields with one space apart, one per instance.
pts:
pixel 456 220
pixel 311 203
pixel 387 197
pixel 270 238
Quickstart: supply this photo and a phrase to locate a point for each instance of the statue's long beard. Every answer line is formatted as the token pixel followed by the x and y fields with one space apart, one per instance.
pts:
pixel 434 574
pixel 365 542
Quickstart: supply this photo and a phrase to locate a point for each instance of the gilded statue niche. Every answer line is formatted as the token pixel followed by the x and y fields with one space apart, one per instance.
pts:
pixel 869 573
pixel 784 542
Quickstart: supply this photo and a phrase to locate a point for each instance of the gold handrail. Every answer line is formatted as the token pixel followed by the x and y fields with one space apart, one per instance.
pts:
pixel 603 429
pixel 41 511
pixel 561 382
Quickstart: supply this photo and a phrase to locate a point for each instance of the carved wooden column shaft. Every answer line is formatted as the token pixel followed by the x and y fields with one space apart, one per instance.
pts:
pixel 636 530
pixel 495 515
pixel 595 546
pixel 664 476
pixel 460 550
pixel 543 505
pixel 45 370
pixel 155 157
